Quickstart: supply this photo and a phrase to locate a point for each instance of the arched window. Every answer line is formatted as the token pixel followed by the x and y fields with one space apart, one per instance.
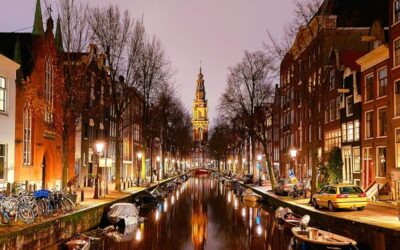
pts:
pixel 27 123
pixel 48 90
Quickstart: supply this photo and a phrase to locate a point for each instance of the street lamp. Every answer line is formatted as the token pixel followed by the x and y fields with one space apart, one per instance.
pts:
pixel 159 168
pixel 139 159
pixel 99 145
pixel 259 157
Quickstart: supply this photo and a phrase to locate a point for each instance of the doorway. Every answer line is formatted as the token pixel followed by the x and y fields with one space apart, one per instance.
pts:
pixel 44 172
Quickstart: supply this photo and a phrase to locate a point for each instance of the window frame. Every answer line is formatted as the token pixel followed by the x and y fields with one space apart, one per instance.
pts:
pixel 347 105
pixel 395 65
pixel 378 121
pixel 3 173
pixel 354 159
pixel 27 137
pixel 371 128
pixel 370 75
pixel 395 21
pixel 5 90
pixel 397 151
pixel 378 87
pixel 377 161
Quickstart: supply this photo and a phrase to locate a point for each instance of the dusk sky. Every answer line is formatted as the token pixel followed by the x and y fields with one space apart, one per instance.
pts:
pixel 213 31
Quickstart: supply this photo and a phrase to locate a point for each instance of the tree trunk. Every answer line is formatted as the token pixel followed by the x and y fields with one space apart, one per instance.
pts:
pixel 117 157
pixel 270 169
pixel 151 163
pixel 65 165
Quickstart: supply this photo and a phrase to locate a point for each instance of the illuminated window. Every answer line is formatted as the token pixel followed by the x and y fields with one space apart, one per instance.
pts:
pixel 357 160
pixel 397 148
pixel 396 10
pixel 350 131
pixel 356 130
pixel 396 52
pixel 381 162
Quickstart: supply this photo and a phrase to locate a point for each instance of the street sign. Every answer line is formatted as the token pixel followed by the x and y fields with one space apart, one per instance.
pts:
pixel 291 173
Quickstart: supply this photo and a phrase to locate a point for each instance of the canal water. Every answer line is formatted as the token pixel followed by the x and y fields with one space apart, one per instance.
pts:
pixel 203 213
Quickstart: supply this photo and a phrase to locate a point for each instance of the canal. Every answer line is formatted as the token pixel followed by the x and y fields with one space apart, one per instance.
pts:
pixel 203 213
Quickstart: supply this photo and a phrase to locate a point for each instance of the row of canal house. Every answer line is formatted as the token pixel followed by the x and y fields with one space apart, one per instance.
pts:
pixel 340 88
pixel 30 146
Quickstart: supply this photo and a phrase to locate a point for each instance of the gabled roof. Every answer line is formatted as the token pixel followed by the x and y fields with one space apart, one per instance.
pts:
pixel 356 13
pixel 18 47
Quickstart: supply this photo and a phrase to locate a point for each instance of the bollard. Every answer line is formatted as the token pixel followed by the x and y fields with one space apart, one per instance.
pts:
pixel 30 188
pixel 84 181
pixel 123 183
pixel 34 187
pixel 8 191
pixel 26 185
pixel 100 191
pixel 82 195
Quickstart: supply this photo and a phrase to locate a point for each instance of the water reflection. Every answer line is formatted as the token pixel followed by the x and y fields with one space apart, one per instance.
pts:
pixel 204 214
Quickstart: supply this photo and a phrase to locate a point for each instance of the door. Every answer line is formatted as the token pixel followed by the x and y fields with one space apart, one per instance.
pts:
pixel 44 172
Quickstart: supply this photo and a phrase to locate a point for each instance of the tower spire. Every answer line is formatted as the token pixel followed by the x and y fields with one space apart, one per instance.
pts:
pixel 58 36
pixel 38 21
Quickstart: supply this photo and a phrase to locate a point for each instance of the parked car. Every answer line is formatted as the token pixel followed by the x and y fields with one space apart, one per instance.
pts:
pixel 340 196
pixel 283 187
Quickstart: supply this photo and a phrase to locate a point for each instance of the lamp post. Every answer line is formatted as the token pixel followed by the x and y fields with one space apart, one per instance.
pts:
pixel 139 159
pixel 259 157
pixel 158 169
pixel 99 145
pixel 293 154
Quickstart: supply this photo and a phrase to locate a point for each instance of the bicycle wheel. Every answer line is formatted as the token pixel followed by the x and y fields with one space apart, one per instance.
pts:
pixel 25 213
pixel 35 208
pixel 292 195
pixel 4 218
pixel 66 206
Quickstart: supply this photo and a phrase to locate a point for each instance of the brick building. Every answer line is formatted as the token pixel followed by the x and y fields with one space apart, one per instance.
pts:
pixel 310 104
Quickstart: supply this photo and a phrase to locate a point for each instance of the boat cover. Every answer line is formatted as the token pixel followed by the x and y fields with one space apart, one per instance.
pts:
pixel 126 211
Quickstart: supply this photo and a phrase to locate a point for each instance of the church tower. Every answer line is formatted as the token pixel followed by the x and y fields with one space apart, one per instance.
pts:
pixel 200 122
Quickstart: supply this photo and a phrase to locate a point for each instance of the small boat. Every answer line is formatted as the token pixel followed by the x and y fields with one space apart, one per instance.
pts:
pixel 80 242
pixel 159 193
pixel 127 212
pixel 314 236
pixel 285 216
pixel 249 195
pixel 146 200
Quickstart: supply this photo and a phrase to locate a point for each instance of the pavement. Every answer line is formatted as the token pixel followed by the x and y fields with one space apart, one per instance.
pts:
pixel 382 214
pixel 88 202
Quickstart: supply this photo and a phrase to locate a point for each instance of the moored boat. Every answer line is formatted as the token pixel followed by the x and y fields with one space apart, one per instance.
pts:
pixel 80 242
pixel 123 211
pixel 314 236
pixel 249 195
pixel 285 216
pixel 201 171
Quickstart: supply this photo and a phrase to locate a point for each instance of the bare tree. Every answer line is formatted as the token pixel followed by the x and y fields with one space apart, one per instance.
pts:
pixel 71 40
pixel 122 40
pixel 248 87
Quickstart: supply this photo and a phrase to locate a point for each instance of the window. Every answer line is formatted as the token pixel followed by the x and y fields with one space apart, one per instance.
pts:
pixel 2 161
pixel 357 160
pixel 381 162
pixel 349 105
pixel 48 91
pixel 350 131
pixel 332 112
pixel 3 94
pixel 397 148
pixel 332 79
pixel 344 132
pixel 396 52
pixel 332 139
pixel 27 146
pixel 309 133
pixel 356 130
pixel 396 10
pixel 382 87
pixel 382 122
pixel 397 97
pixel 338 108
pixel 369 124
pixel 369 89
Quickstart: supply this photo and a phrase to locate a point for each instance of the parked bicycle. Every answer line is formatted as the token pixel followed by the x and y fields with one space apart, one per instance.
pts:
pixel 14 208
pixel 297 193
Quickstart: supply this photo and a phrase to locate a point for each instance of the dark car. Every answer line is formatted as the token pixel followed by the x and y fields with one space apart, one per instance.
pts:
pixel 283 187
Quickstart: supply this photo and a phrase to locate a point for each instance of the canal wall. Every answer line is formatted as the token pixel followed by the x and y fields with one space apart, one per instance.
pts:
pixel 46 235
pixel 368 237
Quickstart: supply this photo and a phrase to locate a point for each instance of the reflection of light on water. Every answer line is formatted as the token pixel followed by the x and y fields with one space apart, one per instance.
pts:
pixel 250 217
pixel 243 212
pixel 236 203
pixel 229 197
pixel 259 230
pixel 138 235
pixel 157 215
pixel 177 195
pixel 172 200
pixel 165 206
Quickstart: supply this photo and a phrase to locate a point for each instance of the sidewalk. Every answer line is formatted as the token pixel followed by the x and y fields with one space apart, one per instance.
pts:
pixel 88 202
